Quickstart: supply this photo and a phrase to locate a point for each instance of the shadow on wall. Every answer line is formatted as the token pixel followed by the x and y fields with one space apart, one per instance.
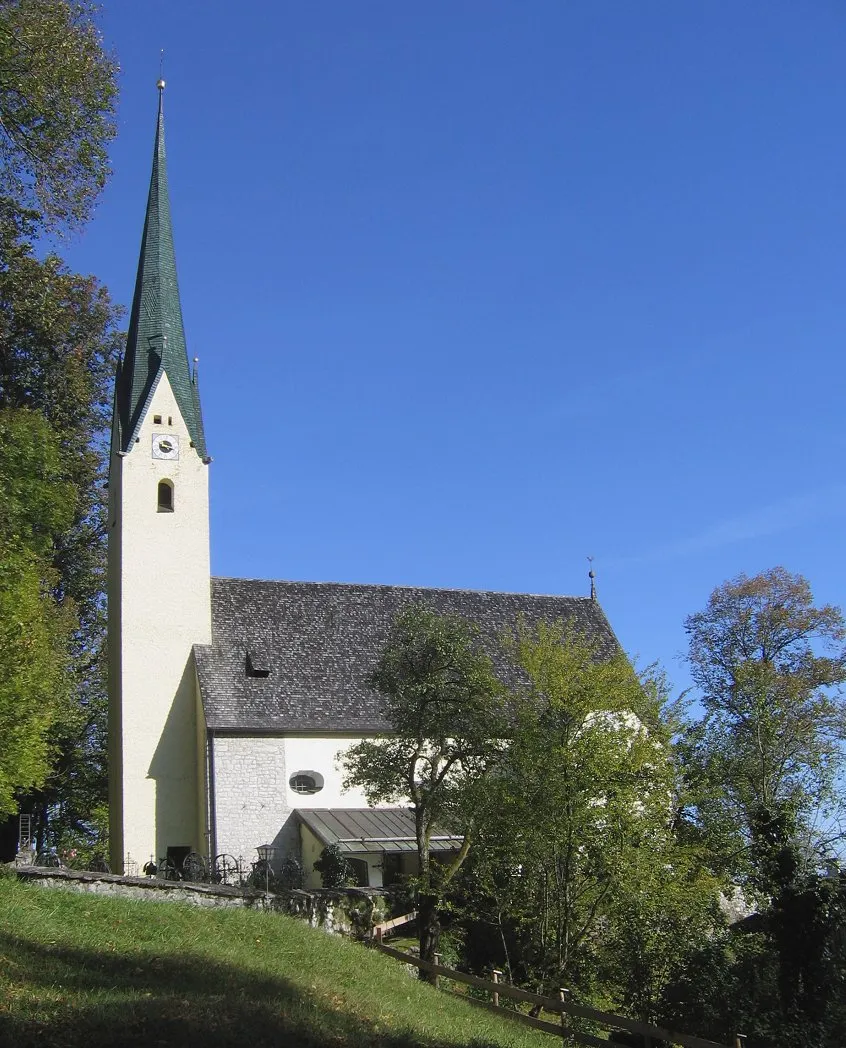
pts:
pixel 287 842
pixel 174 768
pixel 107 999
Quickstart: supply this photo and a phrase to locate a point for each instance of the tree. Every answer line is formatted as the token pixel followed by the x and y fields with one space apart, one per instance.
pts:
pixel 443 703
pixel 58 89
pixel 806 927
pixel 667 908
pixel 58 345
pixel 767 663
pixel 780 974
pixel 576 822
pixel 763 764
pixel 35 681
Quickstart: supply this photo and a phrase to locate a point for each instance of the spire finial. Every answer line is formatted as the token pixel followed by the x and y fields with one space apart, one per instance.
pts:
pixel 592 577
pixel 161 84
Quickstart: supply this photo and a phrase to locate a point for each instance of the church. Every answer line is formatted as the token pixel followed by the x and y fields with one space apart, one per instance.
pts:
pixel 230 699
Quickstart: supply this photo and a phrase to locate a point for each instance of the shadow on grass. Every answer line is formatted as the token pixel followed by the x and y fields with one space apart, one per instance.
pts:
pixel 95 998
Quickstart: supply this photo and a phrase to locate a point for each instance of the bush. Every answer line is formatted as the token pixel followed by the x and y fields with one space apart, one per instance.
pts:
pixel 290 874
pixel 334 870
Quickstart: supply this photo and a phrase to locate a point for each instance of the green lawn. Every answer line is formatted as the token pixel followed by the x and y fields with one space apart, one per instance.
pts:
pixel 80 970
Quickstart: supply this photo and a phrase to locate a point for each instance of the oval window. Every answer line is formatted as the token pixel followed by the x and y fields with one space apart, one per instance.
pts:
pixel 306 782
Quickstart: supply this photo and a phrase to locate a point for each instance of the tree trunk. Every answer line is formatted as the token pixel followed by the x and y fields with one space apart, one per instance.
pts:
pixel 430 932
pixel 428 926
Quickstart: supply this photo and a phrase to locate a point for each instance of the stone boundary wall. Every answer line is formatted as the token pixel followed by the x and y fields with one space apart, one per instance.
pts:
pixel 340 911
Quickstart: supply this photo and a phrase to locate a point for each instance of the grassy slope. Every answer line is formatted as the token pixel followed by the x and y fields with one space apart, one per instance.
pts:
pixel 83 970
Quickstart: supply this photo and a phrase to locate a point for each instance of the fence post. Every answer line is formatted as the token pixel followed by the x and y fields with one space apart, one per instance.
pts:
pixel 436 978
pixel 494 995
pixel 562 998
pixel 740 1040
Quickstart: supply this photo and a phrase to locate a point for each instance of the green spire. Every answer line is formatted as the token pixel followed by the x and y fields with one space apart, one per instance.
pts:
pixel 156 340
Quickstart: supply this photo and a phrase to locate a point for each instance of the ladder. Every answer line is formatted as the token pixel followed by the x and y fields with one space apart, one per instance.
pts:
pixel 24 833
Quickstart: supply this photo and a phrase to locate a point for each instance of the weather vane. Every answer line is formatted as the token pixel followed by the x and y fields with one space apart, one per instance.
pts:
pixel 592 577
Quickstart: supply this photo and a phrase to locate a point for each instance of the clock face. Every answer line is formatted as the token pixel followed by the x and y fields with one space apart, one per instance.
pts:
pixel 165 446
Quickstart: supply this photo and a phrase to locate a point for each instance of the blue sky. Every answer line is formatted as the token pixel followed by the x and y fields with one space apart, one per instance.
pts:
pixel 481 288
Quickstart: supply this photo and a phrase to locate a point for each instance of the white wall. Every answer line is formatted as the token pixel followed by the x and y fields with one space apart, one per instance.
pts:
pixel 320 753
pixel 159 606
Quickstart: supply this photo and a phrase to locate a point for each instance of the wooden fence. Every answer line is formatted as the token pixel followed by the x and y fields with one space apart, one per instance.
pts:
pixel 395 922
pixel 561 1006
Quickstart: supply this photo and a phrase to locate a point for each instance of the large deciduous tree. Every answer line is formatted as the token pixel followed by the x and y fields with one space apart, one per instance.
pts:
pixel 767 662
pixel 35 632
pixel 443 703
pixel 575 849
pixel 58 90
pixel 58 345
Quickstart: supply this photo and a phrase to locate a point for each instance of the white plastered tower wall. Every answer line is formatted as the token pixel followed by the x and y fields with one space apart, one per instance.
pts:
pixel 159 607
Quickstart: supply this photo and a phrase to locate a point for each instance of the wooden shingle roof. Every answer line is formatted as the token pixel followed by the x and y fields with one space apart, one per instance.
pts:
pixel 319 641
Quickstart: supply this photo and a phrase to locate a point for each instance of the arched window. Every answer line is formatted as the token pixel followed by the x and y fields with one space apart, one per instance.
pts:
pixel 165 504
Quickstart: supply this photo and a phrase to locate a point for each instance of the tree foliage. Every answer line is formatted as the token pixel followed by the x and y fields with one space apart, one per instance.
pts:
pixel 58 344
pixel 575 854
pixel 764 764
pixel 767 663
pixel 779 975
pixel 442 700
pixel 35 632
pixel 334 868
pixel 58 90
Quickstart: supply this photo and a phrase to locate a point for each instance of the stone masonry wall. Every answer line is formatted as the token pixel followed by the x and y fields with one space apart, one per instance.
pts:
pixel 347 911
pixel 251 796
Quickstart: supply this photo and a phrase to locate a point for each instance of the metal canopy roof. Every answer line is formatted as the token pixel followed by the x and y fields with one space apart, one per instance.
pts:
pixel 363 830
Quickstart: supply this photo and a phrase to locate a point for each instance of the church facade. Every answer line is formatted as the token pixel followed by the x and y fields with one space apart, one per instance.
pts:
pixel 230 699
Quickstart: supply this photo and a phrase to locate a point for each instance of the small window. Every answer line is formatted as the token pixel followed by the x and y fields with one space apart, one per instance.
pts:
pixel 306 782
pixel 170 420
pixel 157 420
pixel 165 504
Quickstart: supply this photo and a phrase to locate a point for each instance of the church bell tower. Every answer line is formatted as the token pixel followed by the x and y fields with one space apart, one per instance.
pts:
pixel 158 563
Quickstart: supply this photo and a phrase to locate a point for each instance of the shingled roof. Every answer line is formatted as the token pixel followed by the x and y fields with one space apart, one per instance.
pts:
pixel 295 656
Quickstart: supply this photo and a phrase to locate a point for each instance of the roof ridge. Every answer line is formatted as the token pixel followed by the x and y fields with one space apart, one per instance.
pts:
pixel 399 586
